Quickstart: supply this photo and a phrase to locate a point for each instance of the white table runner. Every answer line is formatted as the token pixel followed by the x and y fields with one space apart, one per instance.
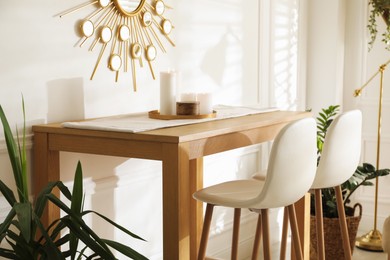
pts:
pixel 140 122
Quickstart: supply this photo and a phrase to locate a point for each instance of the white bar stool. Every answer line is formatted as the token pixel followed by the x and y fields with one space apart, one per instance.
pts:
pixel 339 160
pixel 386 237
pixel 290 174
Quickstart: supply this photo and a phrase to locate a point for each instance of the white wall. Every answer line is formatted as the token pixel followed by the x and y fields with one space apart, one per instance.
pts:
pixel 325 58
pixel 217 50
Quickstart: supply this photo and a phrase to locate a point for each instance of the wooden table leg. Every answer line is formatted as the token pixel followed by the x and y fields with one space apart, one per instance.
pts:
pixel 196 216
pixel 46 169
pixel 302 209
pixel 176 202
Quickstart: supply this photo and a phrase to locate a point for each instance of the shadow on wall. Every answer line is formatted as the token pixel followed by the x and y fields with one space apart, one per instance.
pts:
pixel 216 53
pixel 219 53
pixel 65 100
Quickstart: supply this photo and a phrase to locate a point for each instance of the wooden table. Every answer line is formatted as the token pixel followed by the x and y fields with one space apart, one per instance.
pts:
pixel 181 150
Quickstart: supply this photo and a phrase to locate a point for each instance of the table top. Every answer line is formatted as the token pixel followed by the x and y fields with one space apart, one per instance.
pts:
pixel 185 133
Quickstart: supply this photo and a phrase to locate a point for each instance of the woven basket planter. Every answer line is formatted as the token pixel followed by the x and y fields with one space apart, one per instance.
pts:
pixel 333 241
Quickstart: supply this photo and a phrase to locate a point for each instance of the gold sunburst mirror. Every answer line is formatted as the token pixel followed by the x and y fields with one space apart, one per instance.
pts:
pixel 129 28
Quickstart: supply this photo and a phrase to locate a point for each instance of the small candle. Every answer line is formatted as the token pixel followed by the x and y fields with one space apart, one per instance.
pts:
pixel 168 85
pixel 187 108
pixel 205 103
pixel 188 97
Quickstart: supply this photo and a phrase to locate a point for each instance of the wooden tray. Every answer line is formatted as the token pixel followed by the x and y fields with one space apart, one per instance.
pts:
pixel 155 114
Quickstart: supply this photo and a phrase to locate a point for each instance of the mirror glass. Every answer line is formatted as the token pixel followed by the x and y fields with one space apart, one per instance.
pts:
pixel 147 19
pixel 104 3
pixel 160 7
pixel 115 62
pixel 124 32
pixel 129 7
pixel 105 34
pixel 87 28
pixel 167 27
pixel 136 51
pixel 151 53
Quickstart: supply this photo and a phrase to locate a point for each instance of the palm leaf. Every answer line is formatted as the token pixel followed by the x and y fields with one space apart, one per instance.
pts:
pixel 20 245
pixel 23 155
pixel 7 193
pixel 89 241
pixel 7 222
pixel 22 223
pixel 7 253
pixel 41 201
pixel 13 154
pixel 50 248
pixel 114 224
pixel 23 212
pixel 76 206
pixel 76 220
pixel 127 251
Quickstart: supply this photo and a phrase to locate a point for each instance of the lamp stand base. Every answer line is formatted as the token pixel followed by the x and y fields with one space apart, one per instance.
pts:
pixel 372 241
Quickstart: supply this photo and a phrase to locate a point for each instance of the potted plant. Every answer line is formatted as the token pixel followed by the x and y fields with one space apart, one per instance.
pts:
pixel 361 177
pixel 68 237
pixel 379 8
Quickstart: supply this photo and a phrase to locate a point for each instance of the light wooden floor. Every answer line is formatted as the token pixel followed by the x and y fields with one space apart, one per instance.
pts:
pixel 359 254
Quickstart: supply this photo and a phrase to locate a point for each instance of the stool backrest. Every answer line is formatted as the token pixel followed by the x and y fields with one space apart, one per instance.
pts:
pixel 341 151
pixel 291 166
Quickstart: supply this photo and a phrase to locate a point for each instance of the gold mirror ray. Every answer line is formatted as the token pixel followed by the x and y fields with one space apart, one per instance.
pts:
pixel 130 27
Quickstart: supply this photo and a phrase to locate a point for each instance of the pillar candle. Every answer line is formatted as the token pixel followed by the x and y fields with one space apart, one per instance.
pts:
pixel 188 97
pixel 168 85
pixel 205 103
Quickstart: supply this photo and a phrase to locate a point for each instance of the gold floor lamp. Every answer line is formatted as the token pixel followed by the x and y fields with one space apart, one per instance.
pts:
pixel 373 240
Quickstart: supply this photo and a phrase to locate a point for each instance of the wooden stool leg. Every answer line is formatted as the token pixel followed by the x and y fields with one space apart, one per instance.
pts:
pixel 205 231
pixel 236 231
pixel 343 223
pixel 266 239
pixel 319 225
pixel 256 243
pixel 284 235
pixel 294 232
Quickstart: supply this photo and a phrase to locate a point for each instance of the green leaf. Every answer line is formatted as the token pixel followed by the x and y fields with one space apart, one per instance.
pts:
pixel 383 172
pixel 81 254
pixel 93 244
pixel 127 251
pixel 64 190
pixel 7 253
pixel 7 222
pixel 20 246
pixel 76 220
pixel 23 156
pixel 62 240
pixel 77 193
pixel 8 193
pixel 114 224
pixel 23 212
pixel 76 206
pixel 41 201
pixel 367 183
pixel 50 249
pixel 13 154
pixel 52 252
